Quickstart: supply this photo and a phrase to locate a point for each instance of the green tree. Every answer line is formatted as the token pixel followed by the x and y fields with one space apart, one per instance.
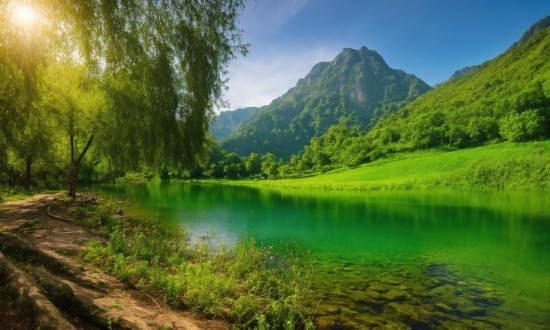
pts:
pixel 158 66
pixel 528 125
pixel 253 164
pixel 270 165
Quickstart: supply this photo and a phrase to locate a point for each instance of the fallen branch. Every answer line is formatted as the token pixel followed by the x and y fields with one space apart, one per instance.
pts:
pixel 55 216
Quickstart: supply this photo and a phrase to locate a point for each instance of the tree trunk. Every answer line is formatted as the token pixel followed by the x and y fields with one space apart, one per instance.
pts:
pixel 11 179
pixel 75 164
pixel 28 162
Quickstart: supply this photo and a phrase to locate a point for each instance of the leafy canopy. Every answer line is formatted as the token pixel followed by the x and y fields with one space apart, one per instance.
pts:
pixel 157 69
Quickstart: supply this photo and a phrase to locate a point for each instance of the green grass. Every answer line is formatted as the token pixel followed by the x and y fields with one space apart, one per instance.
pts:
pixel 497 166
pixel 251 287
pixel 9 193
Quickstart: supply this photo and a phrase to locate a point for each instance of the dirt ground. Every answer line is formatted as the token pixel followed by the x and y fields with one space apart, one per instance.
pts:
pixel 43 282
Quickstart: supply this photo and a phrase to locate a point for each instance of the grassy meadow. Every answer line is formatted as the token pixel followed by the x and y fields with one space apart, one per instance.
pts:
pixel 496 166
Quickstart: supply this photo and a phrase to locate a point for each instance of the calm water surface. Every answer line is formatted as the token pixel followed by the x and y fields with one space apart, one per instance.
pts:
pixel 388 260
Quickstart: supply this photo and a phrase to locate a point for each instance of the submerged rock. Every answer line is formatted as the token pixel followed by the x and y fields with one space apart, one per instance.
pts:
pixel 380 287
pixel 443 308
pixel 487 300
pixel 472 310
pixel 325 309
pixel 395 295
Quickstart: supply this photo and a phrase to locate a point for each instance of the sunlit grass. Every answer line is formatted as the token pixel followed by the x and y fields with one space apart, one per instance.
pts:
pixel 500 166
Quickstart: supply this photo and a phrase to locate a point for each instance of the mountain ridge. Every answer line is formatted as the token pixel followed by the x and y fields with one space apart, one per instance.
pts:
pixel 226 121
pixel 357 86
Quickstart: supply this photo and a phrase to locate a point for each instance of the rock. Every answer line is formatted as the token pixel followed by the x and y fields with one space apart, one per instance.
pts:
pixel 472 310
pixel 395 295
pixel 380 287
pixel 443 308
pixel 348 312
pixel 337 292
pixel 402 287
pixel 389 281
pixel 367 321
pixel 487 300
pixel 373 294
pixel 325 322
pixel 328 309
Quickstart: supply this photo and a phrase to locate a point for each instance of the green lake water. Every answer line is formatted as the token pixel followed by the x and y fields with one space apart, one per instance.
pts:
pixel 387 259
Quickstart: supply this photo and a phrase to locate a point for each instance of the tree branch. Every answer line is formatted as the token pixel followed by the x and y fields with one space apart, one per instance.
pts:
pixel 85 149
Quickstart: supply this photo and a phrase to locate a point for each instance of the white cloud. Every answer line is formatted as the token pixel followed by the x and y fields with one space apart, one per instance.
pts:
pixel 258 79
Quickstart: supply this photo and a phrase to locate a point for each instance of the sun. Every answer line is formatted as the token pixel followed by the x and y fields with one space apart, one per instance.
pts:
pixel 25 14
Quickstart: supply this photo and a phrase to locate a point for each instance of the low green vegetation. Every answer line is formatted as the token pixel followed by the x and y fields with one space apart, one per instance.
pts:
pixel 498 166
pixel 13 193
pixel 251 287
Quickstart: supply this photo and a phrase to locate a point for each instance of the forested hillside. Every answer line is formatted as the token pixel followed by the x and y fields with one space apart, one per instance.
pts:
pixel 226 122
pixel 505 99
pixel 357 87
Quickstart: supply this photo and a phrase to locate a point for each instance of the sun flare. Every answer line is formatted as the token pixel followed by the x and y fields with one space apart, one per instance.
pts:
pixel 25 14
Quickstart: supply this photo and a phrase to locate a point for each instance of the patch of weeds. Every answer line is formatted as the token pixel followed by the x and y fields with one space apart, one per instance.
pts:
pixel 93 312
pixel 79 240
pixel 253 287
pixel 24 305
pixel 97 217
pixel 115 305
pixel 62 252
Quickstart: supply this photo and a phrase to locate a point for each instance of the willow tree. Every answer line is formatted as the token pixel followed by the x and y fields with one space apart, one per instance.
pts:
pixel 161 64
pixel 22 55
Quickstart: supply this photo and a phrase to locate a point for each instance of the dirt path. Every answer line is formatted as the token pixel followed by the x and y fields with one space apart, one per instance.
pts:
pixel 43 282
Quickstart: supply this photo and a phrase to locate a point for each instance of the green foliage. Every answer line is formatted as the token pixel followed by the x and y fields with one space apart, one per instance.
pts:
pixel 99 217
pixel 497 166
pixel 254 288
pixel 357 87
pixel 270 165
pixel 226 122
pixel 528 125
pixel 138 80
pixel 505 99
pixel 253 164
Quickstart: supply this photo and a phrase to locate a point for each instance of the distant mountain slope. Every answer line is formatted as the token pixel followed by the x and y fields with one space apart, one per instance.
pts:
pixel 357 86
pixel 505 99
pixel 226 122
pixel 541 25
pixel 534 29
pixel 464 71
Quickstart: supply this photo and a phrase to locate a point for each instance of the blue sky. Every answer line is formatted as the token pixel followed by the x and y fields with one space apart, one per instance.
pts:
pixel 428 38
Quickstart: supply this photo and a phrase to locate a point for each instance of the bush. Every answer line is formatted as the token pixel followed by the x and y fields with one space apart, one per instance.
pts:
pixel 528 125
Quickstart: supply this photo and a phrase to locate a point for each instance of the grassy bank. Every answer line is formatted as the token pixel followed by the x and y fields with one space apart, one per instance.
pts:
pixel 251 287
pixel 497 166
